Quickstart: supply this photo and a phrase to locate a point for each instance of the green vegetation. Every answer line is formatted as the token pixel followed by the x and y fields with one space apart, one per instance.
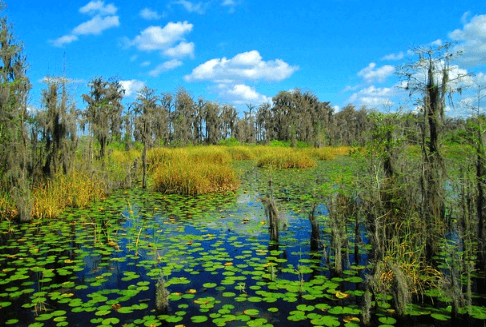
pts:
pixel 175 211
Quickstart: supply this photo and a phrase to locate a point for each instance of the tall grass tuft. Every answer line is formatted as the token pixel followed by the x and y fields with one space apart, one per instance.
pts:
pixel 192 171
pixel 74 190
pixel 7 207
pixel 240 152
pixel 285 158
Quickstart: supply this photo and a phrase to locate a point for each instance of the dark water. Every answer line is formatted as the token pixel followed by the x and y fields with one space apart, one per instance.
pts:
pixel 100 266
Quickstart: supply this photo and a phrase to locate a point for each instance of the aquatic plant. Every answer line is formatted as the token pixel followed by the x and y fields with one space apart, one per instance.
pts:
pixel 73 190
pixel 285 158
pixel 192 171
pixel 192 178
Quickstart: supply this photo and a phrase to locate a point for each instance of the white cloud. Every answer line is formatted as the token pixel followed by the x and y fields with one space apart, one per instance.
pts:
pixel 231 4
pixel 437 42
pixel 373 96
pixel 244 66
pixel 149 14
pixel 103 19
pixel 158 38
pixel 132 86
pixel 472 41
pixel 61 79
pixel 66 39
pixel 394 56
pixel 198 8
pixel 351 88
pixel 181 50
pixel 241 94
pixel 96 25
pixel 145 64
pixel 98 8
pixel 370 74
pixel 166 66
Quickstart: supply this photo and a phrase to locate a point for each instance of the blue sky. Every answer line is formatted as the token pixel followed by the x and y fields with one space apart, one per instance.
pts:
pixel 242 51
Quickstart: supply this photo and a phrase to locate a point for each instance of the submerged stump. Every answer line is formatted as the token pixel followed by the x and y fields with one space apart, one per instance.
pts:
pixel 161 296
pixel 315 235
pixel 272 214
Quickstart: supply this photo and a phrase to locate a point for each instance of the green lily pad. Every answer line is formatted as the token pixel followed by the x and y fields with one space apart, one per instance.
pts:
pixel 199 319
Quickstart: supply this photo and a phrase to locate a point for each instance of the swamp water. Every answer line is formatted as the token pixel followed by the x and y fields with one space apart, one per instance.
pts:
pixel 105 266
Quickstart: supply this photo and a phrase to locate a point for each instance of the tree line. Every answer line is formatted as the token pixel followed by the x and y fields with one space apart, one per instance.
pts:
pixel 36 145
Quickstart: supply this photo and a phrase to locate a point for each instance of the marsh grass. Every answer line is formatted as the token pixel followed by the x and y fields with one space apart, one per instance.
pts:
pixel 192 171
pixel 240 152
pixel 7 207
pixel 75 190
pixel 285 158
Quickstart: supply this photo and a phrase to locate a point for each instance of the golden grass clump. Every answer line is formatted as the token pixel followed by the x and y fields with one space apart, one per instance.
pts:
pixel 191 171
pixel 160 156
pixel 209 154
pixel 191 177
pixel 262 150
pixel 74 190
pixel 7 208
pixel 240 152
pixel 124 157
pixel 285 158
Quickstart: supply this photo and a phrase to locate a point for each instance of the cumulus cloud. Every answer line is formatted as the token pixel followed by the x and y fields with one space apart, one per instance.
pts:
pixel 98 8
pixel 160 38
pixel 373 96
pixel 181 50
pixel 192 7
pixel 166 66
pixel 244 66
pixel 66 39
pixel 231 4
pixel 132 86
pixel 149 14
pixel 103 18
pixel 96 25
pixel 471 40
pixel 394 56
pixel 370 74
pixel 241 94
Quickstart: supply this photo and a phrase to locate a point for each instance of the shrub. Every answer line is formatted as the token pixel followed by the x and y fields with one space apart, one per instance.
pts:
pixel 232 141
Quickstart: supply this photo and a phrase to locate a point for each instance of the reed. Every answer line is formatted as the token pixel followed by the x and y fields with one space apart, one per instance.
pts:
pixel 73 190
pixel 191 171
pixel 190 178
pixel 7 207
pixel 240 152
pixel 285 158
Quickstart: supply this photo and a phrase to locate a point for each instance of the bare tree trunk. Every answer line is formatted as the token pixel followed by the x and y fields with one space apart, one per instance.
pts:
pixel 144 166
pixel 271 211
pixel 315 235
